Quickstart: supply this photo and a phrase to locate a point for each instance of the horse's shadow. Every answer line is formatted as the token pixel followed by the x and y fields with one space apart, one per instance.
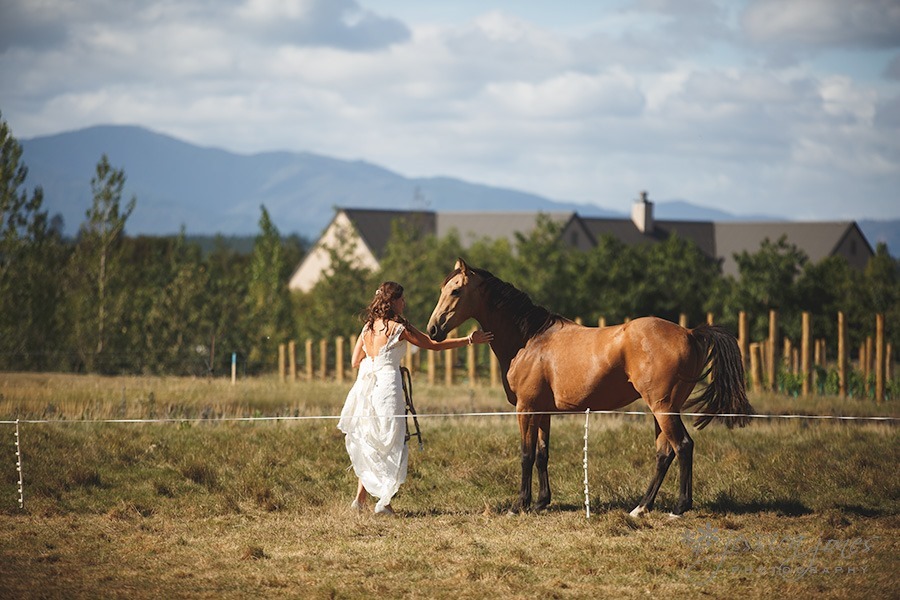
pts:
pixel 723 504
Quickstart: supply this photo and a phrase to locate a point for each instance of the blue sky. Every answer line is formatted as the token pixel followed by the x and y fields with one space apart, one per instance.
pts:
pixel 780 107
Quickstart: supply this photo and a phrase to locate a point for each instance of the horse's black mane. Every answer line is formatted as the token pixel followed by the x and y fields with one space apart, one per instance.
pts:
pixel 530 318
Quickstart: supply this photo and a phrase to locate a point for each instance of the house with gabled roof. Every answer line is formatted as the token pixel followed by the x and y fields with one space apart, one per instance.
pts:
pixel 722 240
pixel 367 231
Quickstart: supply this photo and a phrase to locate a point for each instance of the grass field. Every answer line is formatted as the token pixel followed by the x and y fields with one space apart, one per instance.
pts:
pixel 207 508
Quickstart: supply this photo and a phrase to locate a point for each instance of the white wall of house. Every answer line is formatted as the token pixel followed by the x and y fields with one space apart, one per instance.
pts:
pixel 318 260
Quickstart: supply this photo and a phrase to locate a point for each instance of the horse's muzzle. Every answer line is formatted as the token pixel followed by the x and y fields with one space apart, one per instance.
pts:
pixel 437 333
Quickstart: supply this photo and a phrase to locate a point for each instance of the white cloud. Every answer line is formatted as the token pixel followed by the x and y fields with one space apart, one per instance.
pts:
pixel 841 98
pixel 569 95
pixel 658 96
pixel 804 23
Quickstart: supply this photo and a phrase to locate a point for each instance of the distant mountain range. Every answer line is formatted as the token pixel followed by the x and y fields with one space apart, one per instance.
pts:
pixel 210 191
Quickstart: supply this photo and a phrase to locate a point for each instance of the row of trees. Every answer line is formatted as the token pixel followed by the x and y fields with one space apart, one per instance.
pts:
pixel 618 281
pixel 105 302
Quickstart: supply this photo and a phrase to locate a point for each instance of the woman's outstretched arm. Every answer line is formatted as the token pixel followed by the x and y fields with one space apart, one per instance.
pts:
pixel 417 338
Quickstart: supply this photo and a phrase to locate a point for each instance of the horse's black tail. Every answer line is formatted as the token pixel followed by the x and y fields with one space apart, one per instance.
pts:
pixel 726 393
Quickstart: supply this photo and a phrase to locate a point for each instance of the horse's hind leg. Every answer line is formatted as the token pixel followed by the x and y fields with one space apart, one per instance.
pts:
pixel 665 454
pixel 681 442
pixel 543 458
pixel 528 432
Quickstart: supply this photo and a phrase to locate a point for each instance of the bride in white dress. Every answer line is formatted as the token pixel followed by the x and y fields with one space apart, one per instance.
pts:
pixel 373 417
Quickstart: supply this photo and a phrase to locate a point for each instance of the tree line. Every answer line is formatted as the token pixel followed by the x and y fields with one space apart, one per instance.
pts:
pixel 106 302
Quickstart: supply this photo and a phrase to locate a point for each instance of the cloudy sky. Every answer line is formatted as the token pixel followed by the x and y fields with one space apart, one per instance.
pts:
pixel 782 107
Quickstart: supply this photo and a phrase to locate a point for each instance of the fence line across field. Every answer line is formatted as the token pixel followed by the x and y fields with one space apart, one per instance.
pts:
pixel 587 413
pixel 798 358
pixel 645 413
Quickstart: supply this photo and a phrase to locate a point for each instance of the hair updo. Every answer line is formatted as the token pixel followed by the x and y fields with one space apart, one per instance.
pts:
pixel 382 307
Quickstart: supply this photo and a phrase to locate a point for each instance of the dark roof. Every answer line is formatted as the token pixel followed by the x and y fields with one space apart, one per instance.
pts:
pixel 720 241
pixel 374 226
pixel 818 240
pixel 701 233
pixel 474 226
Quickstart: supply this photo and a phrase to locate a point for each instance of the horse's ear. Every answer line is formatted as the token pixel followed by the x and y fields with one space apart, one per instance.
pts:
pixel 461 265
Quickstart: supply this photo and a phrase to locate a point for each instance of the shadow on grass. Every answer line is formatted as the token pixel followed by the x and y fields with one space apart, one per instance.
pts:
pixel 726 504
pixel 723 504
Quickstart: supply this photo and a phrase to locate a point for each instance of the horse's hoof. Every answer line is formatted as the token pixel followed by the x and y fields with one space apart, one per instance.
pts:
pixel 673 516
pixel 638 512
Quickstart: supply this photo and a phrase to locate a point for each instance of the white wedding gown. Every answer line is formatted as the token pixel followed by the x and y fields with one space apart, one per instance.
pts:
pixel 373 419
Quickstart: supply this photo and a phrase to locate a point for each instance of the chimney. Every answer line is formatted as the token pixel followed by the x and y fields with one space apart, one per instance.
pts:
pixel 642 214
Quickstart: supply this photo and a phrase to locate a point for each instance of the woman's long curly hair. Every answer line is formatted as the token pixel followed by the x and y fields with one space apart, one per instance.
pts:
pixel 381 305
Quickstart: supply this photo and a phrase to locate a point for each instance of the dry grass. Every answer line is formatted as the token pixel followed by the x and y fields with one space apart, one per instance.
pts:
pixel 328 553
pixel 259 509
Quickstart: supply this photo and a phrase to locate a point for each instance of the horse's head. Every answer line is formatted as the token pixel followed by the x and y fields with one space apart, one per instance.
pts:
pixel 458 302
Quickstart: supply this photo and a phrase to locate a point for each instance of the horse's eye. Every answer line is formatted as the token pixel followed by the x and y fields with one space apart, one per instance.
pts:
pixel 456 292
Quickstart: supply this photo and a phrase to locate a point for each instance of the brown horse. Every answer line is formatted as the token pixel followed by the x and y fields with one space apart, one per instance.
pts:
pixel 551 364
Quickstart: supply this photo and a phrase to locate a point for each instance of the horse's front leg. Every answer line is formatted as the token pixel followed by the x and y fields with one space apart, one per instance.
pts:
pixel 528 435
pixel 543 458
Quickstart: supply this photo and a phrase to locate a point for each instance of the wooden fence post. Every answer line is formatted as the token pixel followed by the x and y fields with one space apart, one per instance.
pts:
pixel 281 363
pixel 879 358
pixel 709 319
pixel 763 357
pixel 449 360
pixel 817 362
pixel 292 360
pixel 771 359
pixel 888 363
pixel 601 322
pixel 787 354
pixel 339 358
pixel 743 341
pixel 842 355
pixel 804 354
pixel 431 357
pixel 323 364
pixel 682 320
pixel 755 374
pixel 309 359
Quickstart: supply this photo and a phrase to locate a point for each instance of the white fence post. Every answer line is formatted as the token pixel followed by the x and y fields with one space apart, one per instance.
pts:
pixel 587 497
pixel 19 468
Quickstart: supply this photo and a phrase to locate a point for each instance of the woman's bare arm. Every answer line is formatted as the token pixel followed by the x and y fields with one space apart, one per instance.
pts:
pixel 417 338
pixel 358 353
